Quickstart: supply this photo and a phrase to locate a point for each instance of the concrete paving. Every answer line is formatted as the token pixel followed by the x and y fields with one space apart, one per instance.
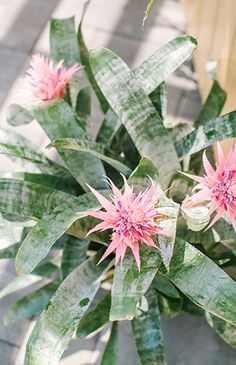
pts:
pixel 116 25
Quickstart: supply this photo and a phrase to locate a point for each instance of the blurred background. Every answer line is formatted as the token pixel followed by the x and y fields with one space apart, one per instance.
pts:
pixel 118 25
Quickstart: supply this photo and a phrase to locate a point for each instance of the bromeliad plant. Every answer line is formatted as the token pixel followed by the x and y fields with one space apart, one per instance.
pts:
pixel 121 192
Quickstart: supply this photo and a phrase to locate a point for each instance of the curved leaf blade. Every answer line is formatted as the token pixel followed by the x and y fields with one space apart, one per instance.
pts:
pixel 147 332
pixel 57 324
pixel 96 150
pixel 110 355
pixel 96 318
pixel 74 253
pixel 215 130
pixel 17 115
pixel 133 107
pixel 224 329
pixel 59 121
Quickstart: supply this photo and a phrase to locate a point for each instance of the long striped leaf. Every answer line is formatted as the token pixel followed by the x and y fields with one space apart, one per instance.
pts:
pixel 151 74
pixel 51 227
pixel 110 355
pixel 63 41
pixel 224 329
pixel 203 282
pixel 59 121
pixel 147 332
pixel 74 253
pixel 30 200
pixel 133 107
pixel 57 324
pixel 212 106
pixel 30 305
pixel 84 54
pixel 215 130
pixel 96 150
pixel 17 115
pixel 96 318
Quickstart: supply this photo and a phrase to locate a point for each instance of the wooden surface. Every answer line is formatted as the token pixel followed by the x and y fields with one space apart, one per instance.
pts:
pixel 213 24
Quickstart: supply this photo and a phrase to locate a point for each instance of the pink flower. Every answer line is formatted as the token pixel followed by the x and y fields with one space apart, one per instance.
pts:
pixel 219 185
pixel 132 218
pixel 47 82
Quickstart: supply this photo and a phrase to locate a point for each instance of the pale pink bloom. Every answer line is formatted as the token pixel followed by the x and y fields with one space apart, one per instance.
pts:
pixel 218 185
pixel 47 82
pixel 132 218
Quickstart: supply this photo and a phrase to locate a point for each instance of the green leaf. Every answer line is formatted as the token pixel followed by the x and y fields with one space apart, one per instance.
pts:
pixel 147 11
pixel 51 227
pixel 212 106
pixel 84 54
pixel 224 329
pixel 151 74
pixel 63 41
pixel 110 355
pixel 203 282
pixel 96 150
pixel 164 286
pixel 47 269
pixel 56 182
pixel 10 251
pixel 159 99
pixel 129 285
pixel 17 115
pixel 96 318
pixel 133 107
pixel 59 121
pixel 29 200
pixel 170 307
pixel 57 324
pixel 81 227
pixel 83 106
pixel 215 130
pixel 30 304
pixel 37 158
pixel 74 253
pixel 147 332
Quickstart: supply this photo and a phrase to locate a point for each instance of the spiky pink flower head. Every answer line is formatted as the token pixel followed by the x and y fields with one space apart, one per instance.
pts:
pixel 131 217
pixel 47 82
pixel 218 185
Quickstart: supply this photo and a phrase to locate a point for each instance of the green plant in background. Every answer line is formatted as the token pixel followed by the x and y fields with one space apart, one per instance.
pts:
pixel 45 214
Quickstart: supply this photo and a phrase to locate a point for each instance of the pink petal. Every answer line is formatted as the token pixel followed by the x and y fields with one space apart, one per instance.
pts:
pixel 194 177
pixel 135 249
pixel 221 156
pixel 217 217
pixel 207 166
pixel 101 226
pixel 103 201
pixel 112 246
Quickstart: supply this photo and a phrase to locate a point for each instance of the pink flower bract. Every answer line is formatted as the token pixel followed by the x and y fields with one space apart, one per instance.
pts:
pixel 47 82
pixel 219 185
pixel 132 217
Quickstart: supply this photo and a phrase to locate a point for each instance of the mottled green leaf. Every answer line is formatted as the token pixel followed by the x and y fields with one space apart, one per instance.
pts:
pixel 196 217
pixel 213 105
pixel 57 324
pixel 96 150
pixel 59 121
pixel 84 54
pixel 74 253
pixel 170 307
pixel 30 304
pixel 110 355
pixel 51 227
pixel 215 130
pixel 56 182
pixel 96 318
pixel 147 332
pixel 63 41
pixel 10 251
pixel 17 115
pixel 224 329
pixel 83 106
pixel 81 227
pixel 164 286
pixel 159 99
pixel 203 282
pixel 28 200
pixel 133 107
pixel 151 73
